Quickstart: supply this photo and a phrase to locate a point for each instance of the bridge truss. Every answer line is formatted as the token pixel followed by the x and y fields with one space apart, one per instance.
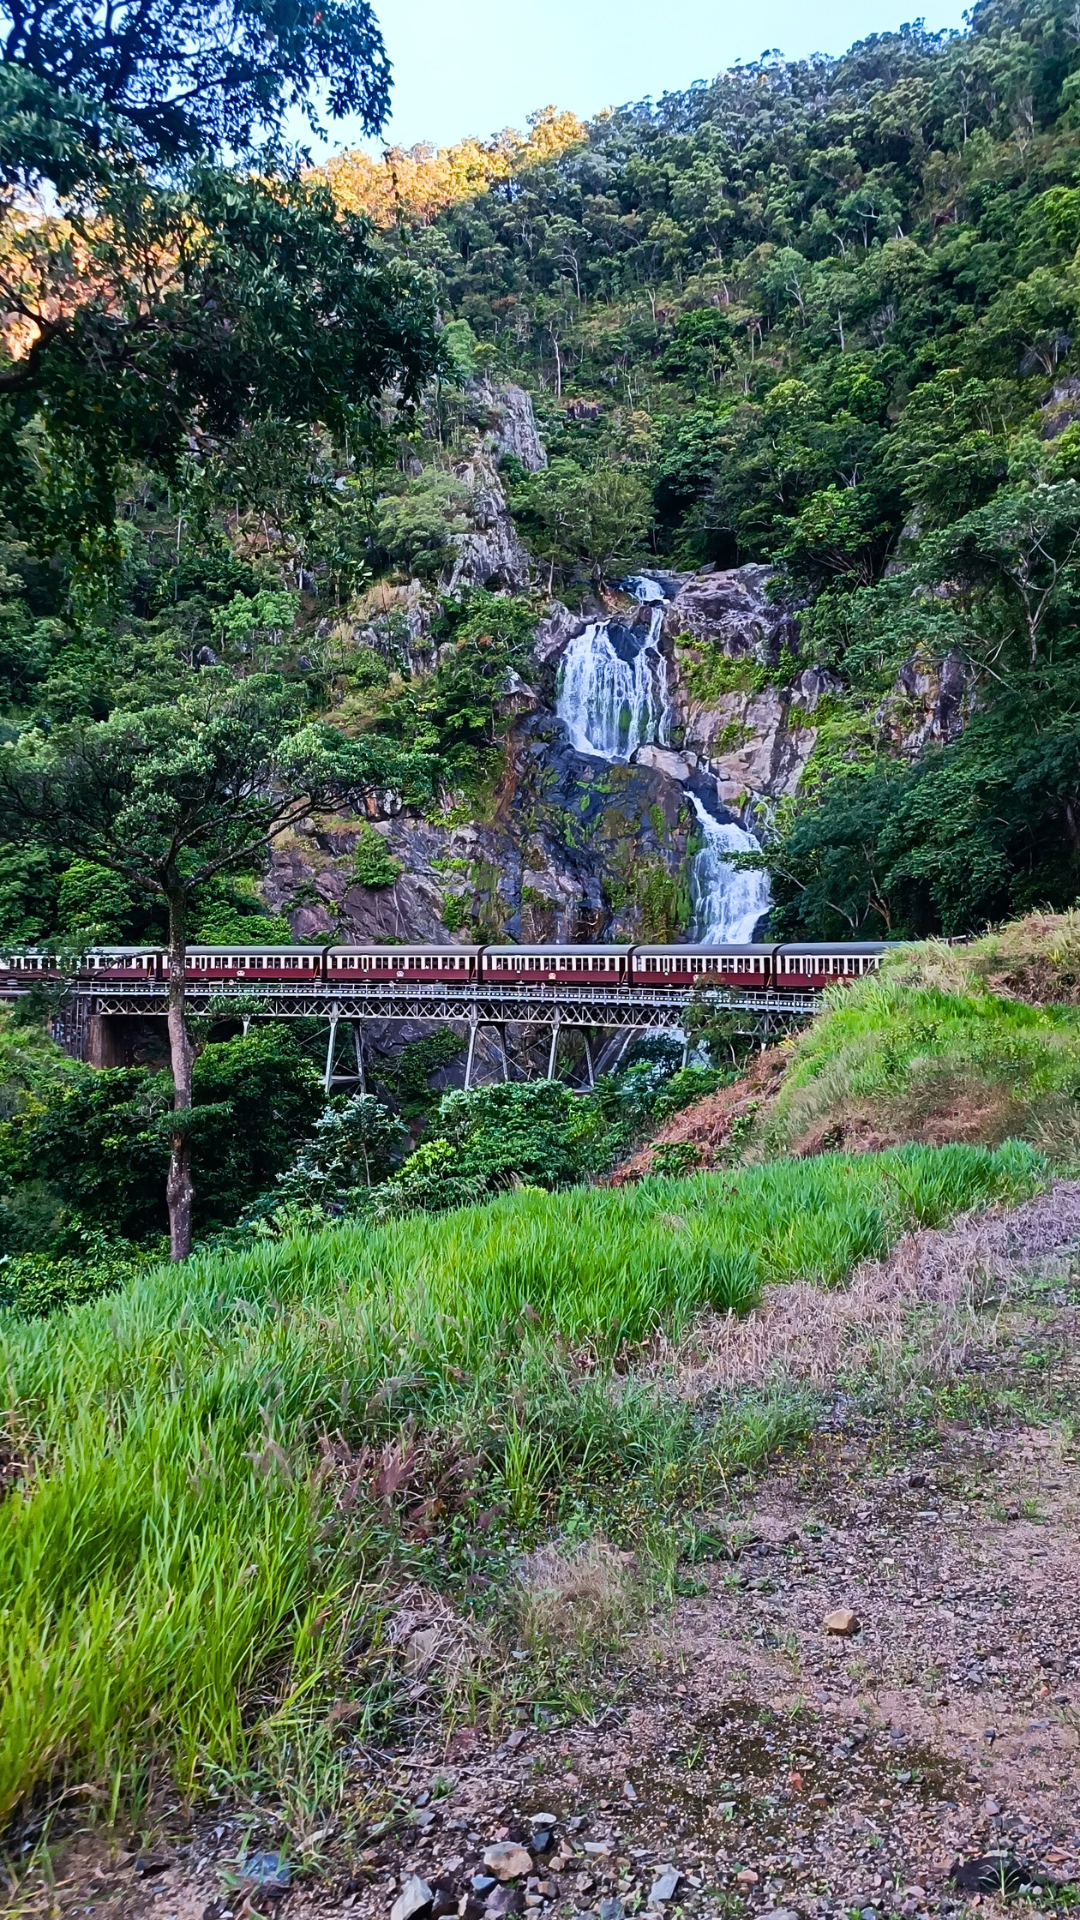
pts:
pixel 622 1013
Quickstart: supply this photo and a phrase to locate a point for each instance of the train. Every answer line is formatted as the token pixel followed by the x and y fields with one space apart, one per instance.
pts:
pixel 776 968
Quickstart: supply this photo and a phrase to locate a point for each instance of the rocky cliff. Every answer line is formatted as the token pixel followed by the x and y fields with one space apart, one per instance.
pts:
pixel 568 846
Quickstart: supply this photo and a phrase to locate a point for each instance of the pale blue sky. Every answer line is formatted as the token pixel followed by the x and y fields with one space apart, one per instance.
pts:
pixel 473 66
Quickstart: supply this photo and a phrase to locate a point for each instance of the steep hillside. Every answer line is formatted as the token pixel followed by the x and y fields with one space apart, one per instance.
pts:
pixel 975 1043
pixel 808 328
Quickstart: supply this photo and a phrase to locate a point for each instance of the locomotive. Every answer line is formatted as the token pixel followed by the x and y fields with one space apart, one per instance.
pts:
pixel 775 967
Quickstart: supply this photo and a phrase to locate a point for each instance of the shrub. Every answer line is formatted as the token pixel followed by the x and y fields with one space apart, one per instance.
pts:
pixel 674 1158
pixel 373 863
pixel 34 1285
pixel 100 1141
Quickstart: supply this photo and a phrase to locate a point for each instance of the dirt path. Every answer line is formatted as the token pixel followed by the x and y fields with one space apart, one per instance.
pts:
pixel 771 1765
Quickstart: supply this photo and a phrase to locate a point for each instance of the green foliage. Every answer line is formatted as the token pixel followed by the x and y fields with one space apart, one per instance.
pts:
pixel 29 882
pixel 173 1553
pixel 34 1285
pixel 416 524
pixel 76 83
pixel 535 1134
pixel 373 863
pixel 451 721
pixel 596 519
pixel 355 1144
pixel 93 905
pixel 100 1141
pixel 407 1072
pixel 674 1159
pixel 162 363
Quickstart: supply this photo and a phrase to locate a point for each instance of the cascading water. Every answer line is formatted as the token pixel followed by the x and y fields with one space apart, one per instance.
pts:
pixel 727 903
pixel 613 697
pixel 613 691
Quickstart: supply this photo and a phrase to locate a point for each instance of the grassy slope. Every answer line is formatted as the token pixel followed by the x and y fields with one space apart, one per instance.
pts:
pixel 196 1559
pixel 940 1047
pixel 974 1044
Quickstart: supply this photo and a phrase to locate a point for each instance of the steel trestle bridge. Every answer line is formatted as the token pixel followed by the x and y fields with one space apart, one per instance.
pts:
pixel 628 1011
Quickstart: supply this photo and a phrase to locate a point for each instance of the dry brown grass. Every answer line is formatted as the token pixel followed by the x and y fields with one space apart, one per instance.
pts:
pixel 708 1123
pixel 938 1278
pixel 576 1599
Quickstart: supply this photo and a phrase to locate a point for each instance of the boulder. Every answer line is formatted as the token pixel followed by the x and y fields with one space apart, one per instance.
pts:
pixel 507 1861
pixel 415 1898
pixel 841 1621
pixel 731 609
pixel 676 766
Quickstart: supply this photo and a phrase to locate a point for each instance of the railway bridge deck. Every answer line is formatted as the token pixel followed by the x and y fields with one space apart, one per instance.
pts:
pixel 538 1010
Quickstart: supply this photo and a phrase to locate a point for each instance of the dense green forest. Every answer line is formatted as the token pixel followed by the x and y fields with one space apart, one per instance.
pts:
pixel 816 315
pixel 819 315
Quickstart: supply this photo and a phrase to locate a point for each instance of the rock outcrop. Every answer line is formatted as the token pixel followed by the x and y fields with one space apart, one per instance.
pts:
pixel 490 553
pixel 731 609
pixel 504 415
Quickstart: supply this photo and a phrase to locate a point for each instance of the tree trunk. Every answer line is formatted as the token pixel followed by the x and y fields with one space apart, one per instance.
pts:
pixel 180 1190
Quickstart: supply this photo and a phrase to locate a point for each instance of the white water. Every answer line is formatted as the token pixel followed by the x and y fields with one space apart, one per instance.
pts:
pixel 727 903
pixel 613 697
pixel 613 694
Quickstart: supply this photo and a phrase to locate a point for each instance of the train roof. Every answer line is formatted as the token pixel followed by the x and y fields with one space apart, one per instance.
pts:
pixel 708 946
pixel 838 946
pixel 405 946
pixel 569 946
pixel 251 946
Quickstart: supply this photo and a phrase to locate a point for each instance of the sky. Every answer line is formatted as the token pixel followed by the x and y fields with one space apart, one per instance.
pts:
pixel 474 66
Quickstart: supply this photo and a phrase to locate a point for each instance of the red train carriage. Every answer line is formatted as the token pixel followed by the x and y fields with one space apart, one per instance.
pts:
pixel 667 966
pixel 605 965
pixel 296 965
pixel 809 968
pixel 415 962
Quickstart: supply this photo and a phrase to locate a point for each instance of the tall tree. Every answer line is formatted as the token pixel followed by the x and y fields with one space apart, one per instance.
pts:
pixel 168 798
pixel 166 80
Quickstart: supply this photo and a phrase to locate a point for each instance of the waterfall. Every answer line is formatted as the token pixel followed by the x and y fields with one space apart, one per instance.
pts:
pixel 613 697
pixel 613 690
pixel 727 902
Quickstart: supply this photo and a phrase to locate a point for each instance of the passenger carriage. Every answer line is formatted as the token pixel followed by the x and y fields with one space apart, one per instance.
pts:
pixel 299 966
pixel 809 968
pixel 744 967
pixel 557 966
pixel 372 963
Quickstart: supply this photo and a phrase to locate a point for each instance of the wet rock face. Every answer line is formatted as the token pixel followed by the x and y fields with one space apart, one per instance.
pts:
pixel 564 856
pixel 755 744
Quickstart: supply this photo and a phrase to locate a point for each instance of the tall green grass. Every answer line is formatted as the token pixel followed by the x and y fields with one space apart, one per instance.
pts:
pixel 176 1576
pixel 913 1042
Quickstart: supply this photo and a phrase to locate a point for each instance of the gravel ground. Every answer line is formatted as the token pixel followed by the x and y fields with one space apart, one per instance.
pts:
pixel 755 1762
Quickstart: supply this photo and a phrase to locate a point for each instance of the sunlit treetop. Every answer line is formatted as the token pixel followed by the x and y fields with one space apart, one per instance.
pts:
pixel 416 184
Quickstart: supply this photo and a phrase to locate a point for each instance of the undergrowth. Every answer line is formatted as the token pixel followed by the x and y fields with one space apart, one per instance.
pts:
pixel 221 1478
pixel 925 1051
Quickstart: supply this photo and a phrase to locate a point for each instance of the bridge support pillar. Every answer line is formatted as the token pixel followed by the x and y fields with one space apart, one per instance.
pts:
pixel 470 1055
pixel 358 1049
pixel 553 1050
pixel 588 1061
pixel 331 1048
